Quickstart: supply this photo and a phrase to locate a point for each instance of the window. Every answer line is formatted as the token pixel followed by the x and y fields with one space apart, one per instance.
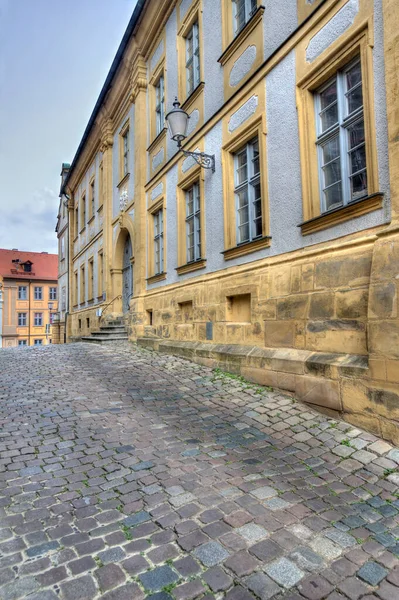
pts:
pixel 82 285
pixel 21 319
pixel 125 153
pixel 100 267
pixel 51 318
pixel 83 212
pixel 53 293
pixel 101 186
pixel 22 292
pixel 341 139
pixel 159 105
pixel 38 342
pixel 38 319
pixel 91 279
pixel 62 247
pixel 63 298
pixel 22 342
pixel 76 289
pixel 242 12
pixel 38 293
pixel 76 221
pixel 27 267
pixel 193 223
pixel 247 191
pixel 92 198
pixel 158 242
pixel 192 59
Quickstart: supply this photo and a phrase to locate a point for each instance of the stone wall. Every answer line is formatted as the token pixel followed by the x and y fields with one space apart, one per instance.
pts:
pixel 324 326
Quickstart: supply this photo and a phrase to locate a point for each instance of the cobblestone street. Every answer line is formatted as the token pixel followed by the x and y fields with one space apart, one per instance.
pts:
pixel 125 474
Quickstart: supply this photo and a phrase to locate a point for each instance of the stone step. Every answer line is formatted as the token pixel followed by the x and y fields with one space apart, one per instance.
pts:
pixel 109 333
pixel 103 339
pixel 112 328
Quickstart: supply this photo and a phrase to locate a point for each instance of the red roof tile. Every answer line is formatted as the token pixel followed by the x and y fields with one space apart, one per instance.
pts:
pixel 44 265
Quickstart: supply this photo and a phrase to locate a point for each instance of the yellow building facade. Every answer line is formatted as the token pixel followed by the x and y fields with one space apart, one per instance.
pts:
pixel 282 265
pixel 29 297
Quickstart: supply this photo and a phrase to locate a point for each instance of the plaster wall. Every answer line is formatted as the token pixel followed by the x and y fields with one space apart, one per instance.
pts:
pixel 212 49
pixel 279 21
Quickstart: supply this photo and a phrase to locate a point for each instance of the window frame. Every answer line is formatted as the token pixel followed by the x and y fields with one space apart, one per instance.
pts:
pixel 22 319
pixel 159 87
pixel 340 130
pixel 82 290
pixel 82 212
pixel 22 343
pixel 100 274
pixel 90 291
pixel 194 59
pixel 153 275
pixel 20 288
pixel 193 217
pixel 92 198
pixel 38 319
pixel 38 295
pixel 249 7
pixel 52 293
pixel 37 342
pixel 158 241
pixel 124 150
pixel 249 184
pixel 358 44
pixel 255 128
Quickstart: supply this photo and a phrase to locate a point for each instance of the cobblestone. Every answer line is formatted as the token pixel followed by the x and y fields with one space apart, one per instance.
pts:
pixel 126 474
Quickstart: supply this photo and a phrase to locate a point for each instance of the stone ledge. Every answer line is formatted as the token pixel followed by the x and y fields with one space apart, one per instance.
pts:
pixel 312 376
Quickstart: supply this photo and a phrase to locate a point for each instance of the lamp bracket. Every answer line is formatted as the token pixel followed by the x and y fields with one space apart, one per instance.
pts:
pixel 207 161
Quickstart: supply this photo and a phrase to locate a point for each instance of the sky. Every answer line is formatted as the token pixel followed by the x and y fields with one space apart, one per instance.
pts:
pixel 54 58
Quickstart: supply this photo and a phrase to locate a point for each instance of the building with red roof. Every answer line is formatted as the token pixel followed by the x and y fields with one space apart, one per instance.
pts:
pixel 28 297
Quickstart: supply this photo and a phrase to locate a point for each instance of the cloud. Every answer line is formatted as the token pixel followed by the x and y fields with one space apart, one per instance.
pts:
pixel 29 225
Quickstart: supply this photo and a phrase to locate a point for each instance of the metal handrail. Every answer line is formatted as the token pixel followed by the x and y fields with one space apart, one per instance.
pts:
pixel 109 303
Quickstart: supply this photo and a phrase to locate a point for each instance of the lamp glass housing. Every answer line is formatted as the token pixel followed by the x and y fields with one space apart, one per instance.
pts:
pixel 177 120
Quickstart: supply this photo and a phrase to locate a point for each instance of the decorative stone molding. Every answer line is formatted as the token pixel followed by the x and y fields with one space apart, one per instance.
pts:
pixel 138 78
pixel 123 200
pixel 243 113
pixel 242 66
pixel 157 191
pixel 335 27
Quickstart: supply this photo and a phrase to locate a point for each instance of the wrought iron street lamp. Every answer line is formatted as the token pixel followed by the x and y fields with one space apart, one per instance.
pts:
pixel 177 120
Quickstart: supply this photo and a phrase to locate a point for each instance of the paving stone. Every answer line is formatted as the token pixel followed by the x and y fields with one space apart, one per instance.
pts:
pixel 315 588
pixel 241 563
pixel 82 588
pixel 125 592
pixel 217 579
pixel 239 593
pixel 19 588
pixel 187 566
pixel 137 519
pixel 284 572
pixel 341 538
pixel 264 493
pixel 325 548
pixel 189 590
pixel 81 565
pixel 264 587
pixel 112 555
pixel 109 577
pixel 252 532
pixel 211 554
pixel 372 573
pixel 353 588
pixel 306 559
pixel 52 576
pixel 266 550
pixel 158 578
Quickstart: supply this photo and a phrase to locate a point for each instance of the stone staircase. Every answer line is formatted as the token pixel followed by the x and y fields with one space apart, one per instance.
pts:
pixel 112 331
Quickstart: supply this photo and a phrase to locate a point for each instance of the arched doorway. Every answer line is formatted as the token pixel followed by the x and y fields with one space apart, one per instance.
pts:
pixel 127 274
